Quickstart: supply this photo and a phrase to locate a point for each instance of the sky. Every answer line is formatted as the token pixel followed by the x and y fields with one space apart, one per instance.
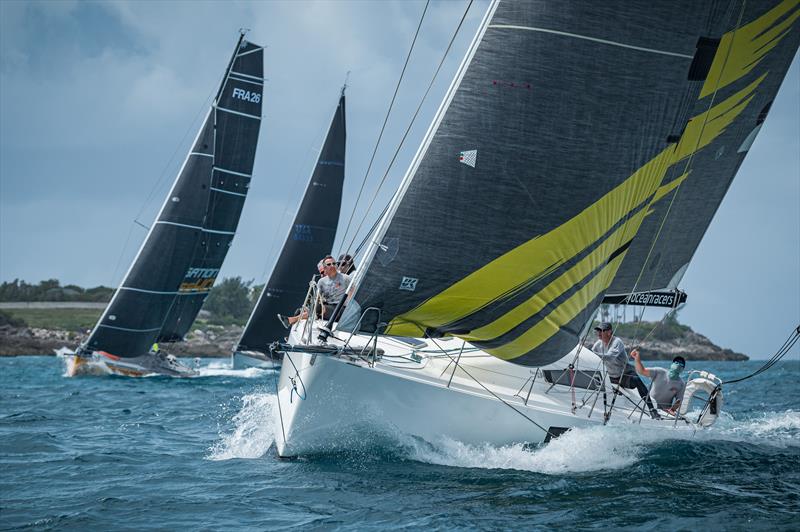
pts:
pixel 99 101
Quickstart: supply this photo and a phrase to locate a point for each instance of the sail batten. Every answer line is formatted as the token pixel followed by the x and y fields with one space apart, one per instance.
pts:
pixel 587 126
pixel 184 248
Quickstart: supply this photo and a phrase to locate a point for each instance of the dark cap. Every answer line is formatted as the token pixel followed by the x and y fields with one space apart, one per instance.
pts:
pixel 603 326
pixel 680 360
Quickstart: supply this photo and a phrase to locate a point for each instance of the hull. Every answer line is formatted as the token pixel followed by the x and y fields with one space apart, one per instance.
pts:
pixel 101 363
pixel 331 403
pixel 245 359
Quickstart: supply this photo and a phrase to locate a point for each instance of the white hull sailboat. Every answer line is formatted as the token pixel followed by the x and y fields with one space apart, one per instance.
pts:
pixel 577 159
pixel 333 397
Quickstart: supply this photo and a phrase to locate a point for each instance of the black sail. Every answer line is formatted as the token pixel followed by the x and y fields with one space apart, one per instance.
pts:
pixel 310 238
pixel 763 46
pixel 179 260
pixel 552 157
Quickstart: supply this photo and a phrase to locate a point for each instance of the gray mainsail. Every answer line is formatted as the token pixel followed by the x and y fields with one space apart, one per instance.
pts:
pixel 310 238
pixel 180 258
pixel 552 159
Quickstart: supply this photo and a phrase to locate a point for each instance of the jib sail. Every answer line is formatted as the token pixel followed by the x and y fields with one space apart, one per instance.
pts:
pixel 179 260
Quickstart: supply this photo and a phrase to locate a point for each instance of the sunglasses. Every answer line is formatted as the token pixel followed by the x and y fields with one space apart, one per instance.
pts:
pixel 330 264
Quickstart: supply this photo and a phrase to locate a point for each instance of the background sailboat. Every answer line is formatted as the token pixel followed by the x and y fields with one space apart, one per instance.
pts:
pixel 179 260
pixel 310 238
pixel 581 151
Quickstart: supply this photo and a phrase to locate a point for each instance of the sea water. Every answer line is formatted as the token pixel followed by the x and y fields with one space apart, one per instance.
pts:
pixel 172 454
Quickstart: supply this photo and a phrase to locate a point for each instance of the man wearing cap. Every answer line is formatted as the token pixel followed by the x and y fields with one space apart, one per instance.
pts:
pixel 668 386
pixel 615 357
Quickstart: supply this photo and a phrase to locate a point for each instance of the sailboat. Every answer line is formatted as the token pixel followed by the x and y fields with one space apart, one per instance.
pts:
pixel 179 260
pixel 580 153
pixel 310 238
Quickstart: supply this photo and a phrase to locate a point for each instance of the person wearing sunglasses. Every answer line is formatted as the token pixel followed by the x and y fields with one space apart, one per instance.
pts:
pixel 332 286
pixel 615 357
pixel 668 386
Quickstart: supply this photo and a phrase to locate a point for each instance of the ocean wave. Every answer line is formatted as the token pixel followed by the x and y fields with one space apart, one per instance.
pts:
pixel 226 371
pixel 605 448
pixel 253 429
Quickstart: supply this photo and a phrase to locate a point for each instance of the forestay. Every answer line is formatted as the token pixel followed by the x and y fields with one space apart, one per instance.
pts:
pixel 179 260
pixel 310 238
pixel 554 161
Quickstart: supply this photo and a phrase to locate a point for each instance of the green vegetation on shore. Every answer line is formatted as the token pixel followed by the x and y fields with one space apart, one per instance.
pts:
pixel 67 319
pixel 666 330
pixel 51 290
pixel 229 303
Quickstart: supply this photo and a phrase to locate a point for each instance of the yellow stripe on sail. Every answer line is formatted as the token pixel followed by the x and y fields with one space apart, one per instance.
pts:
pixel 529 260
pixel 705 127
pixel 742 49
pixel 560 285
pixel 564 313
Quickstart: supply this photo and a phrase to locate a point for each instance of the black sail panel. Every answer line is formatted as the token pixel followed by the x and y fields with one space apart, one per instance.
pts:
pixel 310 238
pixel 568 122
pixel 179 260
pixel 237 121
pixel 691 193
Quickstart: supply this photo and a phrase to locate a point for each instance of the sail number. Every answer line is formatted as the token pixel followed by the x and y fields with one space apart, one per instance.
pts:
pixel 252 97
pixel 198 279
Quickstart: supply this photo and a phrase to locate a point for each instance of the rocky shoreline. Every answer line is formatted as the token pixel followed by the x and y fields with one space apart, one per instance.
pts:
pixel 691 346
pixel 212 341
pixel 218 341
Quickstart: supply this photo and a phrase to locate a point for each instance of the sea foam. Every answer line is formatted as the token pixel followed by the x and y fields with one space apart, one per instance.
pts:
pixel 253 429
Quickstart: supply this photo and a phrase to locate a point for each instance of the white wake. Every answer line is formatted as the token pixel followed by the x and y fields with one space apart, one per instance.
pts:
pixel 253 429
pixel 604 448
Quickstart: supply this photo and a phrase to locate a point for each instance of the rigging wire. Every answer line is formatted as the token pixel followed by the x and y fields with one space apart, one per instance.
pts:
pixel 385 120
pixel 687 168
pixel 479 383
pixel 782 352
pixel 157 185
pixel 405 135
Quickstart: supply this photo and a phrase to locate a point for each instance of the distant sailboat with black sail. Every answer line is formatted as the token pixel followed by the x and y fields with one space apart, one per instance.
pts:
pixel 580 153
pixel 310 238
pixel 179 260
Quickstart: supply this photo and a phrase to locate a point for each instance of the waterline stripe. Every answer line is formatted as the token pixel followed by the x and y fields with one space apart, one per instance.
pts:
pixel 218 108
pixel 197 227
pixel 587 38
pixel 201 154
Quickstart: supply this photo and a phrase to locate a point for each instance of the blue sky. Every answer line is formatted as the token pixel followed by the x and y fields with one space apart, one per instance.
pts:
pixel 98 101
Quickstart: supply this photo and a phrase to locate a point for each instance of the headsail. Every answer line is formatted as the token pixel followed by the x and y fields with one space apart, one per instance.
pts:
pixel 179 260
pixel 748 62
pixel 565 131
pixel 310 238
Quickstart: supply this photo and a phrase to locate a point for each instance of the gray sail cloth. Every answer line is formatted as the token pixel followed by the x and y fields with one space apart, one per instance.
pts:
pixel 570 125
pixel 311 237
pixel 659 254
pixel 179 261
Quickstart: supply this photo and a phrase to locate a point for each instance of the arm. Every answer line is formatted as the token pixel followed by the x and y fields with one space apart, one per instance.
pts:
pixel 641 370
